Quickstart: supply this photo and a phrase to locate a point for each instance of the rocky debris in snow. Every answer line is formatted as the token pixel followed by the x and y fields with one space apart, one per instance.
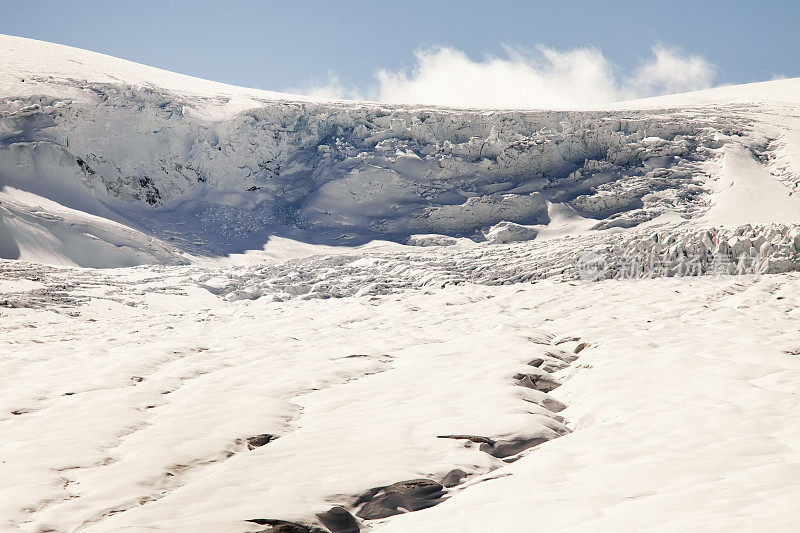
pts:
pixel 509 448
pixel 551 364
pixel 538 382
pixel 580 347
pixel 453 478
pixel 506 448
pixel 339 520
pixel 404 496
pixel 283 526
pixel 472 438
pixel 259 440
pixel 551 404
pixel 562 355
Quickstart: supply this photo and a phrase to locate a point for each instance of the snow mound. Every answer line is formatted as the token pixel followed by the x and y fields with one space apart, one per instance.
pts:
pixel 506 232
pixel 431 239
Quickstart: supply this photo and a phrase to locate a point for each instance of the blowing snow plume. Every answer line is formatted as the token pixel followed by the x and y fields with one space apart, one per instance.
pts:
pixel 543 78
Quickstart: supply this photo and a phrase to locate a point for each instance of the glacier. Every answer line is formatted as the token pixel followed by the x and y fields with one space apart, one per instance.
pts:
pixel 232 310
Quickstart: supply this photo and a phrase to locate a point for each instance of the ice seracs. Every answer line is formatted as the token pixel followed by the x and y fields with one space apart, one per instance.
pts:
pixel 176 162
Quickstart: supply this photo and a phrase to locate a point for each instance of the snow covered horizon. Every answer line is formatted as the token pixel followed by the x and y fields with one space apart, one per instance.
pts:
pixel 228 310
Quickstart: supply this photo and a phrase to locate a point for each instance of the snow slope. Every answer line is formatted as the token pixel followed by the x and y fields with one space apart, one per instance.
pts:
pixel 229 310
pixel 776 91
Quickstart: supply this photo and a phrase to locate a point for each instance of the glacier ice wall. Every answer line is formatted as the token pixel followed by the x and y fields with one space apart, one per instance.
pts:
pixel 354 169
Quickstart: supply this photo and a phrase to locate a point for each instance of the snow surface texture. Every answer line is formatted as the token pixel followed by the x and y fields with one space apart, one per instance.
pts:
pixel 342 316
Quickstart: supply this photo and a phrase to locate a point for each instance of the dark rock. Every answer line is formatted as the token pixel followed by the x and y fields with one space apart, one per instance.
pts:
pixel 259 440
pixel 568 339
pixel 366 496
pixel 506 448
pixel 411 495
pixel 282 526
pixel 453 478
pixel 554 366
pixel 566 357
pixel 539 383
pixel 553 405
pixel 579 348
pixel 339 520
pixel 473 438
pixel 549 365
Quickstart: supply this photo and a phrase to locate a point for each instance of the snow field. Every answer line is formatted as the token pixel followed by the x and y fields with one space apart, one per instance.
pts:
pixel 121 418
pixel 683 393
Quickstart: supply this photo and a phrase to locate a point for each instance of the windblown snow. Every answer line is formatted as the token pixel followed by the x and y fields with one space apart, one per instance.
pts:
pixel 225 309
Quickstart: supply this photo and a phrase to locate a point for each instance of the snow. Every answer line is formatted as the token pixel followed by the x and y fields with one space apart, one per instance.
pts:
pixel 682 416
pixel 782 90
pixel 221 305
pixel 684 395
pixel 747 193
pixel 30 59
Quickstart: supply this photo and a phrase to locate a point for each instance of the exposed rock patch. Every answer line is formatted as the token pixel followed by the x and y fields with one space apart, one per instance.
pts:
pixel 453 478
pixel 339 520
pixel 283 526
pixel 404 496
pixel 257 441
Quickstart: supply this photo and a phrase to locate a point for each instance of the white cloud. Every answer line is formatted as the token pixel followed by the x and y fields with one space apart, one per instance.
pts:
pixel 580 77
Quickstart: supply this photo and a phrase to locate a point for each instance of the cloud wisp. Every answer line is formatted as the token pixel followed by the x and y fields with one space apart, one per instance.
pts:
pixel 544 78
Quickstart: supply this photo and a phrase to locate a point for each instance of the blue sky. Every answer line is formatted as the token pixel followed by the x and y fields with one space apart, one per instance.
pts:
pixel 295 44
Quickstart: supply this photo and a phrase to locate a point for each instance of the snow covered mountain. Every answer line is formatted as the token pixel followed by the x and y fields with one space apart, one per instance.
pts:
pixel 356 316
